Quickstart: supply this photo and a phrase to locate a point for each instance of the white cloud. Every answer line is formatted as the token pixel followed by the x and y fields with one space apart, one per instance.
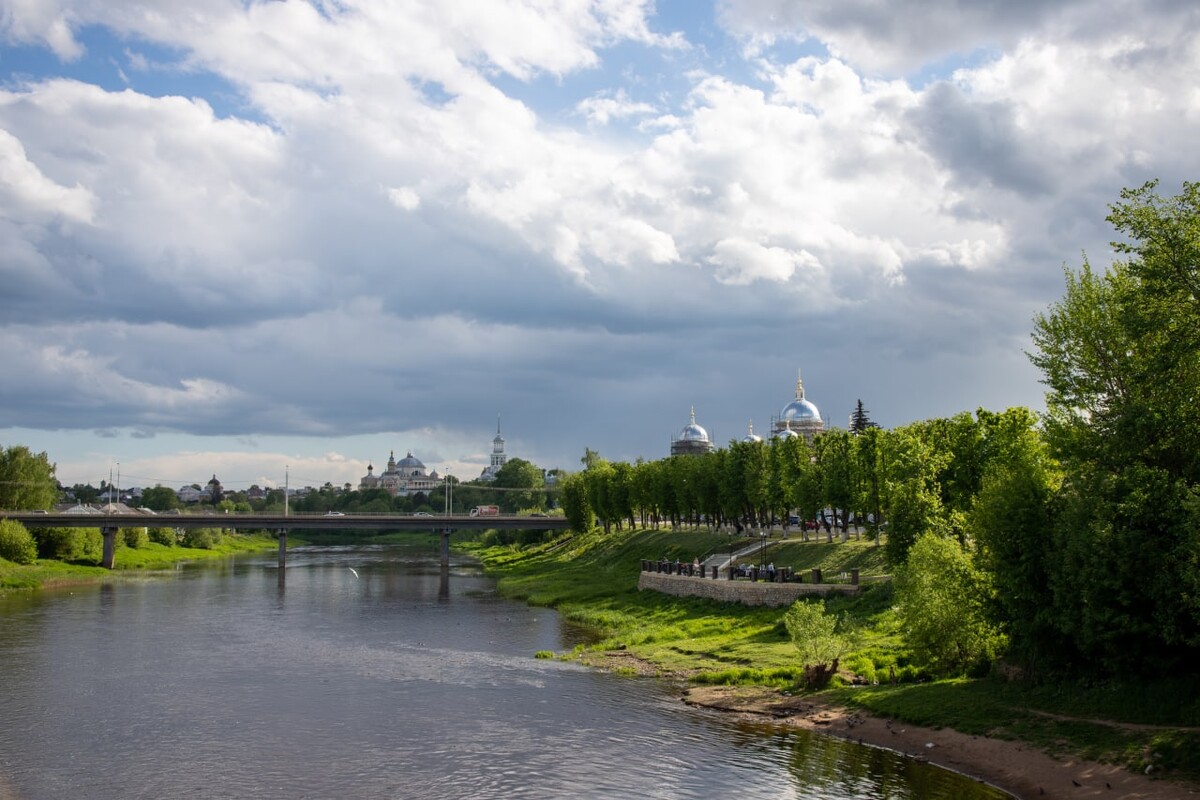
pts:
pixel 792 208
pixel 602 108
pixel 25 190
pixel 404 197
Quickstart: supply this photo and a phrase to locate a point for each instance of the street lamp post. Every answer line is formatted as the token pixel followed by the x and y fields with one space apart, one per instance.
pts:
pixel 762 538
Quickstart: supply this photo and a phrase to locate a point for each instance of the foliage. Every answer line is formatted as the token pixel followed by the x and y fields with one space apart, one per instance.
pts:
pixel 27 480
pixel 135 537
pixel 16 543
pixel 1011 522
pixel 160 498
pixel 517 473
pixel 77 545
pixel 1120 355
pixel 940 597
pixel 201 538
pixel 821 638
pixel 163 536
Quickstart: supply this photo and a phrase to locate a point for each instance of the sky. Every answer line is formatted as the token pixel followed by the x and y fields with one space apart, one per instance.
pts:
pixel 275 241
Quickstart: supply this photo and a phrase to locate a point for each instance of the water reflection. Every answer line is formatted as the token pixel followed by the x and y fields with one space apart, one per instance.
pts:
pixel 375 673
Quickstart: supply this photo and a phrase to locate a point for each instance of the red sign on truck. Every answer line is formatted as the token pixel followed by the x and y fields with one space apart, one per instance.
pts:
pixel 485 511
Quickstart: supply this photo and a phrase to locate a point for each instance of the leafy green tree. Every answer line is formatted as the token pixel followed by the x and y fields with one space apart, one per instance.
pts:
pixel 201 538
pixel 135 537
pixel 160 498
pixel 1012 522
pixel 517 473
pixel 16 543
pixel 821 638
pixel 573 495
pixel 868 463
pixel 1120 355
pixel 941 601
pixel 911 499
pixel 163 536
pixel 833 451
pixel 27 481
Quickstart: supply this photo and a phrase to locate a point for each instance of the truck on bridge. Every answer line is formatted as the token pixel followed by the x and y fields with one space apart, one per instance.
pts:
pixel 485 511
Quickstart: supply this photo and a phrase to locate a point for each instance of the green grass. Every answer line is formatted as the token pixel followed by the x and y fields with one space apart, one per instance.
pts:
pixel 1133 725
pixel 592 580
pixel 151 556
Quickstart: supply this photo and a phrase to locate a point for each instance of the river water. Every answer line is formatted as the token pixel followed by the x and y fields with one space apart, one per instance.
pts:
pixel 218 682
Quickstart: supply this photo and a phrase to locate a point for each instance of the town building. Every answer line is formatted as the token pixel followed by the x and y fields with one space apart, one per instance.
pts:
pixel 401 478
pixel 499 459
pixel 800 417
pixel 692 440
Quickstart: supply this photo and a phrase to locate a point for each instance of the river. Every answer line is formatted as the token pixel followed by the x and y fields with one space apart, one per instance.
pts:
pixel 366 675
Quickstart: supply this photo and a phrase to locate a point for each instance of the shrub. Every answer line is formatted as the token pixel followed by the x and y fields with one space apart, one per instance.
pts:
pixel 17 543
pixel 163 536
pixel 821 638
pixel 940 595
pixel 135 537
pixel 69 544
pixel 201 538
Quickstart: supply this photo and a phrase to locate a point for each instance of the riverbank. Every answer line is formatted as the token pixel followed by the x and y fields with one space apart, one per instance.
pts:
pixel 1034 741
pixel 1017 768
pixel 130 561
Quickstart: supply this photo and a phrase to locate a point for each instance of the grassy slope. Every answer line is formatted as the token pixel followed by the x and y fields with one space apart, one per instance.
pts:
pixel 150 556
pixel 591 579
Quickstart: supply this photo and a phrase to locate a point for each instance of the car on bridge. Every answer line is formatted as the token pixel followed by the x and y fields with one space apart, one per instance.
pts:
pixel 334 514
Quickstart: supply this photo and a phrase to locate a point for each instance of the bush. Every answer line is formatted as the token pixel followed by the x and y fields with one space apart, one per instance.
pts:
pixel 863 667
pixel 940 597
pixel 201 538
pixel 821 638
pixel 69 544
pixel 17 543
pixel 163 536
pixel 135 537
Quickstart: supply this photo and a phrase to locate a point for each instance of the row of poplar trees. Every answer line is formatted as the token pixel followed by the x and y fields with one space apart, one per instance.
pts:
pixel 1084 521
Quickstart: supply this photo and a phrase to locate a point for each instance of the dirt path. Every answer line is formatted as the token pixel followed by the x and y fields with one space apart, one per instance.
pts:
pixel 1022 770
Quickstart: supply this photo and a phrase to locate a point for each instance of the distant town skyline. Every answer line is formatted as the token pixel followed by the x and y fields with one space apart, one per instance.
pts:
pixel 244 237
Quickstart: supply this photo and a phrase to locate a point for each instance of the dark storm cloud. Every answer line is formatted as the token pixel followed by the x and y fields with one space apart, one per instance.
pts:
pixel 979 142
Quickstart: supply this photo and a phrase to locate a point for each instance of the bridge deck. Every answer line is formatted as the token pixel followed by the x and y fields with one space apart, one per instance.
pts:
pixel 436 522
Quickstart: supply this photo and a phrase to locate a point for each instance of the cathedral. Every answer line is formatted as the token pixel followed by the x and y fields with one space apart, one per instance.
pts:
pixel 401 478
pixel 800 417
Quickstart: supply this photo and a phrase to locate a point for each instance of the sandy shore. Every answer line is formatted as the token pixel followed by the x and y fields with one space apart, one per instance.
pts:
pixel 1018 769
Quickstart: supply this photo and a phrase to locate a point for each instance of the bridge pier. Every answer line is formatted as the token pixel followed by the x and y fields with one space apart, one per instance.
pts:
pixel 282 551
pixel 109 532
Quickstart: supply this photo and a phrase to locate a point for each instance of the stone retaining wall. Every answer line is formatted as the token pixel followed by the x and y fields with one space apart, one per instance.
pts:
pixel 748 593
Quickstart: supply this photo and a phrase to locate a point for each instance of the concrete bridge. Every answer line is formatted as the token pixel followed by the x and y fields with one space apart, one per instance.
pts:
pixel 110 523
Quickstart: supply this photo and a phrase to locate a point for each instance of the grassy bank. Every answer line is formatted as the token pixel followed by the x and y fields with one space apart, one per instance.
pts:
pixel 45 573
pixel 591 579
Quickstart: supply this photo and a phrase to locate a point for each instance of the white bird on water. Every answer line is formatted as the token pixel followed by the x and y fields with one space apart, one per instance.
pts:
pixel 354 571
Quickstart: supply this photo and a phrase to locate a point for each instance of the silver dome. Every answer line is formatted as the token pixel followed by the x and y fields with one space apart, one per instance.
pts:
pixel 800 410
pixel 410 462
pixel 693 432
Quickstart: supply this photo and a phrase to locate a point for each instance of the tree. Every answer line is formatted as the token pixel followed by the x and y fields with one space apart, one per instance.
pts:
pixel 517 473
pixel 27 481
pixel 573 498
pixel 941 599
pixel 1012 521
pixel 160 498
pixel 821 638
pixel 859 420
pixel 911 501
pixel 1120 355
pixel 16 543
